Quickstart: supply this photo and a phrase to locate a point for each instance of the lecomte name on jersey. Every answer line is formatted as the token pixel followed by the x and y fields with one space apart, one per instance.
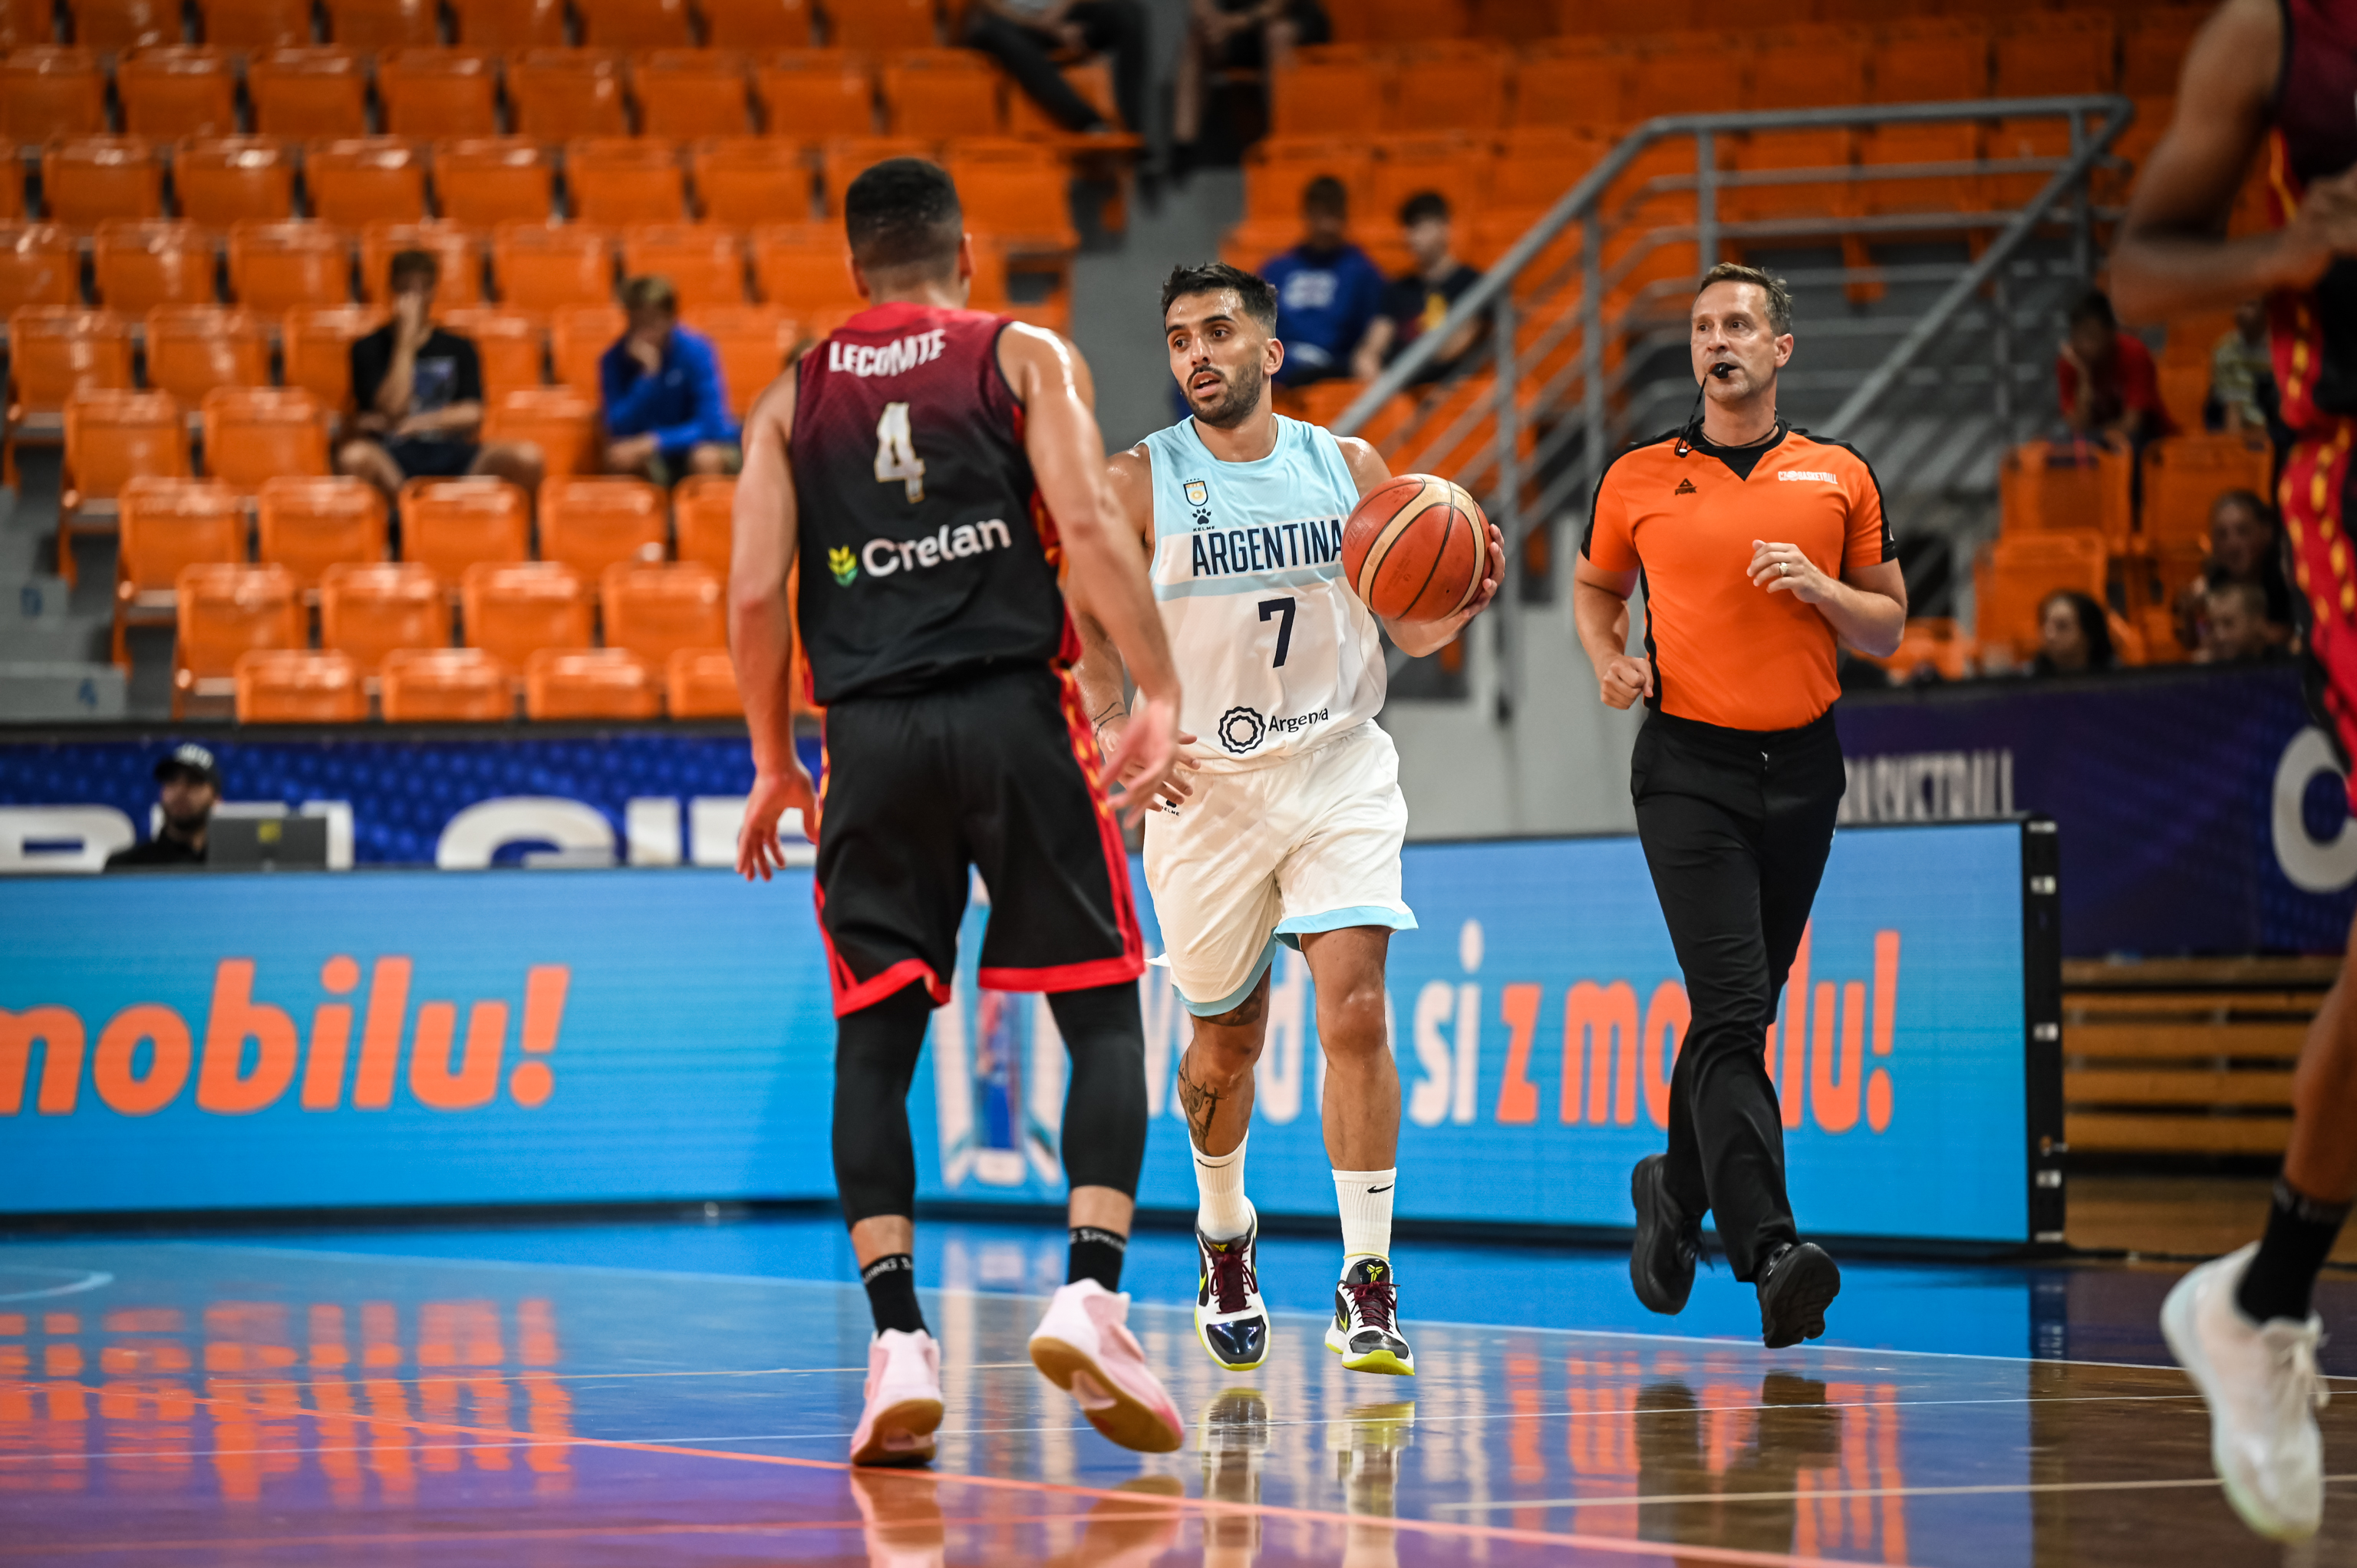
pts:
pixel 1266 547
pixel 885 359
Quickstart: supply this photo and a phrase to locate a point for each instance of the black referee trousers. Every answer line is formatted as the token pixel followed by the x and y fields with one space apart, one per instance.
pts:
pixel 1735 825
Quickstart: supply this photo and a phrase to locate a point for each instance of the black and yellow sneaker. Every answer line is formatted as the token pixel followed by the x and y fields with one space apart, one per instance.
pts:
pixel 1365 1331
pixel 1230 1319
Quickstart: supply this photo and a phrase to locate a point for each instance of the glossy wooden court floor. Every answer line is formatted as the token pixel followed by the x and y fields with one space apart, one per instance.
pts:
pixel 487 1400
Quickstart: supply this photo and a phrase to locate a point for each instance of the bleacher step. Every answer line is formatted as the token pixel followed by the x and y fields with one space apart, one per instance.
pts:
pixel 44 691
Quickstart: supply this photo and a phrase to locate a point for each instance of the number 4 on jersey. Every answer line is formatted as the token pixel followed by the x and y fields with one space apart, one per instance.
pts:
pixel 896 452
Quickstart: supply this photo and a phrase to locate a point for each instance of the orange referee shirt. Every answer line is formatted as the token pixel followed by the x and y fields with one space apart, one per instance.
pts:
pixel 1725 652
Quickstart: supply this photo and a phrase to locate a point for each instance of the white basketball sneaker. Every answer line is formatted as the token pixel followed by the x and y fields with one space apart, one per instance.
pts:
pixel 2260 1382
pixel 1084 1346
pixel 904 1399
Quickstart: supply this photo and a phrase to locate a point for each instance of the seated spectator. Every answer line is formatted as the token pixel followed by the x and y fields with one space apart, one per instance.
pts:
pixel 2106 379
pixel 188 789
pixel 665 410
pixel 2241 375
pixel 1327 289
pixel 1234 34
pixel 2244 548
pixel 419 388
pixel 2234 628
pixel 2074 636
pixel 1418 302
pixel 1021 33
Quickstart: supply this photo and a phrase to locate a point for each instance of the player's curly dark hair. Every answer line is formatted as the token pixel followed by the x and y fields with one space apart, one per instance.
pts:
pixel 1258 293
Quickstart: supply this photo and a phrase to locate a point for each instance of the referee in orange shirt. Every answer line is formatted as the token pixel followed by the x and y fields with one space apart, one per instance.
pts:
pixel 1760 547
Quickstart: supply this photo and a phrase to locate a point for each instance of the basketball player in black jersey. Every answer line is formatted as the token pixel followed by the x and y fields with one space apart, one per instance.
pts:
pixel 2282 72
pixel 931 472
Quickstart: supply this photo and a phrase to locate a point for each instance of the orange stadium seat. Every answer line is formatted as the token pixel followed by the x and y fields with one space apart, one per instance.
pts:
pixel 745 180
pixel 1537 166
pixel 2153 42
pixel 166 526
pixel 46 92
pixel 2185 474
pixel 1456 165
pixel 1951 142
pixel 1091 79
pixel 1922 61
pixel 112 437
pixel 704 262
pixel 439 93
pixel 577 336
pixel 701 684
pixel 111 26
pixel 373 27
pixel 757 24
pixel 247 27
pixel 512 345
pixel 754 342
pixel 308 92
pixel 1017 192
pixel 816 95
pixel 1570 82
pixel 591 683
pixel 510 23
pixel 54 351
pixel 846 158
pixel 460 282
pixel 542 267
pixel 310 524
pixel 2048 486
pixel 222 180
pixel 1277 171
pixel 298 686
pixel 939 93
pixel 39 265
pixel 254 433
pixel 625 179
pixel 483 180
pixel 805 268
pixel 2056 54
pixel 655 610
pixel 559 95
pixel 85 180
pixel 12 196
pixel 635 24
pixel 445 685
pixel 1403 21
pixel 591 524
pixel 279 267
pixel 143 263
pixel 559 421
pixel 225 612
pixel 192 349
pixel 316 347
pixel 2024 569
pixel 878 26
pixel 2027 138
pixel 177 92
pixel 1766 151
pixel 1661 78
pixel 448 525
pixel 365 179
pixel 368 609
pixel 1455 87
pixel 25 22
pixel 704 508
pixel 684 93
pixel 1329 92
pixel 1808 71
pixel 511 610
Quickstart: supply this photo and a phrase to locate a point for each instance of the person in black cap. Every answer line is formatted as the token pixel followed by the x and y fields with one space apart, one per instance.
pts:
pixel 189 788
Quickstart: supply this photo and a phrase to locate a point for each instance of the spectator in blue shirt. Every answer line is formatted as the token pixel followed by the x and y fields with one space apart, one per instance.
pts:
pixel 1327 290
pixel 666 411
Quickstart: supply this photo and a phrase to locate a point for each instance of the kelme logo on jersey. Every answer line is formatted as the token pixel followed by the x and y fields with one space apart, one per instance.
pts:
pixel 882 557
pixel 839 561
pixel 1241 729
pixel 1267 547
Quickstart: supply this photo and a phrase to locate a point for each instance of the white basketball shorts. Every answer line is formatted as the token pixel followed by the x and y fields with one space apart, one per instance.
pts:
pixel 1269 855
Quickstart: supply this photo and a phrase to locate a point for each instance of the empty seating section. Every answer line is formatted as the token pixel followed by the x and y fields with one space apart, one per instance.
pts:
pixel 562 423
pixel 939 93
pixel 754 342
pixel 255 434
pixel 590 524
pixel 556 96
pixel 290 685
pixel 422 685
pixel 657 611
pixel 744 181
pixel 577 336
pixel 112 438
pixel 220 180
pixel 167 527
pixel 448 525
pixel 365 179
pixel 512 345
pixel 278 267
pixel 512 609
pixel 194 349
pixel 621 179
pixel 87 180
pixel 223 613
pixel 177 92
pixel 702 510
pixel 308 92
pixel 542 267
pixel 816 95
pixel 370 610
pixel 687 93
pixel 705 264
pixel 701 684
pixel 311 525
pixel 590 683
pixel 481 181
pixel 439 93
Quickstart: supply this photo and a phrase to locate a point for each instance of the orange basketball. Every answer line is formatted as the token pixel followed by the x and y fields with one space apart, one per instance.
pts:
pixel 1416 548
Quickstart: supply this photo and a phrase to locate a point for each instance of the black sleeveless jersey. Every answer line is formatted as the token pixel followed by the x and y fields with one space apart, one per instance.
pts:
pixel 926 553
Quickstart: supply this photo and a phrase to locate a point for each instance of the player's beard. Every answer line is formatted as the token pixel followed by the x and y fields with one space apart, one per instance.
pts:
pixel 1243 389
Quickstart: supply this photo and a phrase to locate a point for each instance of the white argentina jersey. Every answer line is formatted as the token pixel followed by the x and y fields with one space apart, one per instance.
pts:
pixel 1275 654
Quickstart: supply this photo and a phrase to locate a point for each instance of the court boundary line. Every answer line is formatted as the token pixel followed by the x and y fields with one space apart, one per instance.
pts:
pixel 1846 1493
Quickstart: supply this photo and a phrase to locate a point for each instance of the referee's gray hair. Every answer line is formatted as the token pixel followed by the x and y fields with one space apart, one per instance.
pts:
pixel 1780 296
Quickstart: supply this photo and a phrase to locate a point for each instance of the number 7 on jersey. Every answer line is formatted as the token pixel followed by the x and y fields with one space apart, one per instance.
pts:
pixel 896 452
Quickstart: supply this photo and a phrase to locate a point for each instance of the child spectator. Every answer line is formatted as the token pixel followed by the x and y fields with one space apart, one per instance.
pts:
pixel 2074 636
pixel 1327 289
pixel 2241 375
pixel 2244 547
pixel 2106 379
pixel 1418 302
pixel 665 410
pixel 2234 628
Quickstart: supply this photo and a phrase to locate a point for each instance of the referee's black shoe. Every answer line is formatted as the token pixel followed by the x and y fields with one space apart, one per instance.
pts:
pixel 1661 1262
pixel 1795 1287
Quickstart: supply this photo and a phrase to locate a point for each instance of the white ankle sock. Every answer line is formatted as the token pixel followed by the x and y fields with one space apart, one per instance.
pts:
pixel 1365 1199
pixel 1222 1210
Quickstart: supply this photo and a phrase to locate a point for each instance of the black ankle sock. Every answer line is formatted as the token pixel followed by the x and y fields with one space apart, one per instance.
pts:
pixel 1096 1255
pixel 2299 1237
pixel 891 1282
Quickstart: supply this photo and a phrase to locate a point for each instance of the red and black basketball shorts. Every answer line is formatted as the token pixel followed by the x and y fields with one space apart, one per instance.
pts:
pixel 2314 495
pixel 998 773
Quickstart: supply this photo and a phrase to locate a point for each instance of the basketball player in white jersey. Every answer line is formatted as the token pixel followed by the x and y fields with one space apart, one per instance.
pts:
pixel 1288 827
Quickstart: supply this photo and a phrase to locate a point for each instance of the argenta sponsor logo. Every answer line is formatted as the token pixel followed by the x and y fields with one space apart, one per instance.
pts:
pixel 884 358
pixel 1267 547
pixel 1242 728
pixel 882 557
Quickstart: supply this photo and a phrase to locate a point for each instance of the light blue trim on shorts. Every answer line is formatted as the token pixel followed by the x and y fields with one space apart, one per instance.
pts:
pixel 1293 928
pixel 1235 999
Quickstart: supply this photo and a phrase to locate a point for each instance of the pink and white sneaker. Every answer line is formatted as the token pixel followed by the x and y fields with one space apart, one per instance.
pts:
pixel 904 1399
pixel 1084 1346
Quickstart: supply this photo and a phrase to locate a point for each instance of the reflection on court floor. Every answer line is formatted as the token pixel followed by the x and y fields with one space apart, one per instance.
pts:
pixel 179 1402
